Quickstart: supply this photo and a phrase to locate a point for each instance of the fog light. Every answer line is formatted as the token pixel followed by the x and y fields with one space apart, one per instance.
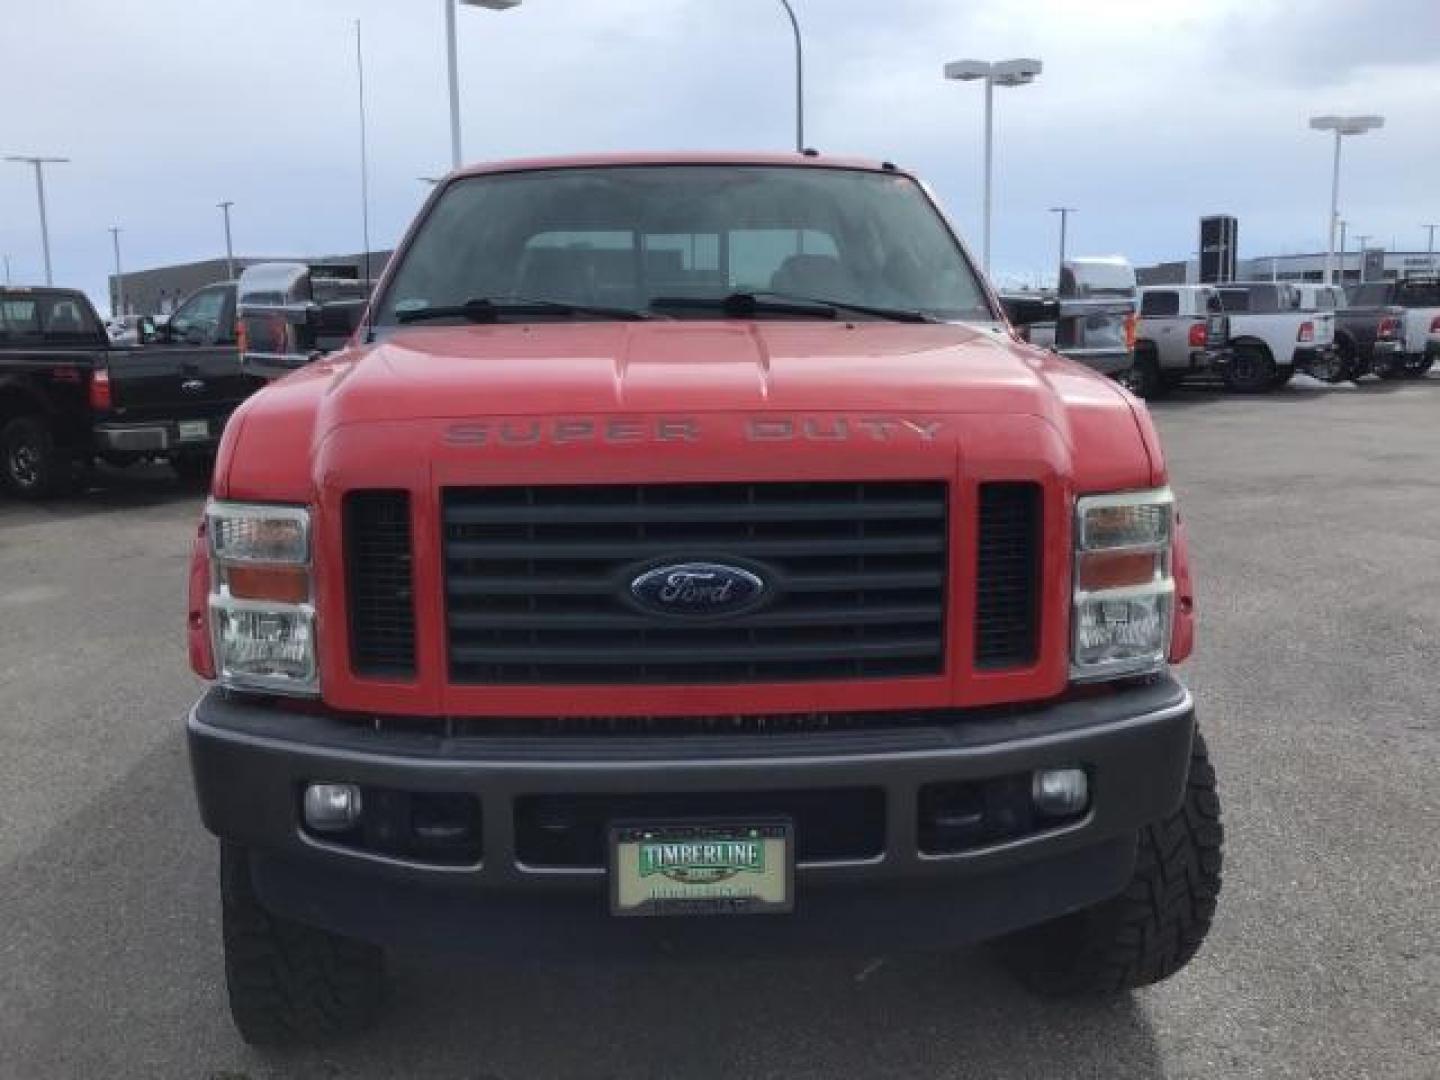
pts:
pixel 332 807
pixel 1060 792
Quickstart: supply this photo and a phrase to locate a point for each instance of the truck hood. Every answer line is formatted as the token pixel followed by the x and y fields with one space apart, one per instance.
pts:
pixel 795 373
pixel 704 367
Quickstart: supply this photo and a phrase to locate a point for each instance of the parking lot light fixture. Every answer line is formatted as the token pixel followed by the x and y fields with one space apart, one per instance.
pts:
pixel 998 73
pixel 1064 212
pixel 224 208
pixel 39 163
pixel 453 62
pixel 1341 126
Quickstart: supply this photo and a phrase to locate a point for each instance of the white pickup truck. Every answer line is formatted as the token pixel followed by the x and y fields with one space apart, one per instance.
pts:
pixel 1272 336
pixel 1181 331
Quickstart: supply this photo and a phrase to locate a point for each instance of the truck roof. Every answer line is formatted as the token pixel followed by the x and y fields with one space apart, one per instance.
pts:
pixel 682 157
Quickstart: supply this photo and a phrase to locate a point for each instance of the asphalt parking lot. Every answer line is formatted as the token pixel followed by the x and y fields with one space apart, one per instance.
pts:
pixel 1315 530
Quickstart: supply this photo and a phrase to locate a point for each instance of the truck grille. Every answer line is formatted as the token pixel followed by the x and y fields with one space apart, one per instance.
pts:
pixel 1007 577
pixel 382 609
pixel 537 582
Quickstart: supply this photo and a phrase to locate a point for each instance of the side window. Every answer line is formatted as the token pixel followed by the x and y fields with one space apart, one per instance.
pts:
pixel 197 321
pixel 1235 300
pixel 19 319
pixel 1159 305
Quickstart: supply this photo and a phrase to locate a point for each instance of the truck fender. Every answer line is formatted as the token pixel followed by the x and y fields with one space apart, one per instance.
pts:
pixel 19 396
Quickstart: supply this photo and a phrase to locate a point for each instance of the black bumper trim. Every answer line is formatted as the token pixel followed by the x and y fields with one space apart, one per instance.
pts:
pixel 251 761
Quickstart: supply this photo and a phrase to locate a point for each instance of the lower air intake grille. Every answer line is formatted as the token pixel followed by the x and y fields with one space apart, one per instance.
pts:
pixel 382 607
pixel 537 582
pixel 1008 576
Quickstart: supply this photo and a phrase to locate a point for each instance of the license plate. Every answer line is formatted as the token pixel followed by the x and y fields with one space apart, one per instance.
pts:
pixel 702 868
pixel 191 430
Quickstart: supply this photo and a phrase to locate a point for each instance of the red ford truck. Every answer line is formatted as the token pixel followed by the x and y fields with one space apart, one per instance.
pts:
pixel 685 555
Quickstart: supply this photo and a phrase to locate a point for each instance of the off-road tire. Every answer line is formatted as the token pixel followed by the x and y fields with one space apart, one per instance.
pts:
pixel 291 984
pixel 1283 374
pixel 1152 929
pixel 1351 366
pixel 31 465
pixel 1251 371
pixel 1142 377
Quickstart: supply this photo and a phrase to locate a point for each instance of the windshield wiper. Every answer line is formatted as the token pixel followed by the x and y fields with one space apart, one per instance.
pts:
pixel 742 305
pixel 489 309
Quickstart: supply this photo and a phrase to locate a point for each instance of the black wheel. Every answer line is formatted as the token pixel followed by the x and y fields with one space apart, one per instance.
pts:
pixel 34 468
pixel 1142 377
pixel 291 984
pixel 1152 929
pixel 1351 366
pixel 1417 367
pixel 1282 376
pixel 194 470
pixel 1251 370
pixel 1170 381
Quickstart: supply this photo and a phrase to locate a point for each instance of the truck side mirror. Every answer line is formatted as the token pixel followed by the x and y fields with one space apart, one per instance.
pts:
pixel 1028 310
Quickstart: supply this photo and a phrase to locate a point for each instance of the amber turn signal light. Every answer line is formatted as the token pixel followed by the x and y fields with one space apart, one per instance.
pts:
pixel 1100 570
pixel 287 584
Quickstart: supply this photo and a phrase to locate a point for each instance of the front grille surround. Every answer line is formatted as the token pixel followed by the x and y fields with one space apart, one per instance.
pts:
pixel 536 577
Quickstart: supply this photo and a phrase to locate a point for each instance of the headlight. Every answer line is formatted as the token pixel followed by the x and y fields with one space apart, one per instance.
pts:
pixel 262 618
pixel 1124 590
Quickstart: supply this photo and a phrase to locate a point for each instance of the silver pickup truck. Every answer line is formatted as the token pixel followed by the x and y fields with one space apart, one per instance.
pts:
pixel 1182 331
pixel 1094 315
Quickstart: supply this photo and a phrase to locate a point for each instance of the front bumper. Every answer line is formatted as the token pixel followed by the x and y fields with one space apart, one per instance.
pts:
pixel 251 763
pixel 159 437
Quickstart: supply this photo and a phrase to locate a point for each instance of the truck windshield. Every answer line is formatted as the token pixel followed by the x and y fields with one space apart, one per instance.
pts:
pixel 621 237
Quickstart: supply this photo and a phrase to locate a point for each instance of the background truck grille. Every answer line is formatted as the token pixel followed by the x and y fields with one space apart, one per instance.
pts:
pixel 536 580
pixel 1007 593
pixel 382 607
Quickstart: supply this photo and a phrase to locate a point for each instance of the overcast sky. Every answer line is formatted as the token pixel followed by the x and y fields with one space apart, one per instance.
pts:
pixel 1149 113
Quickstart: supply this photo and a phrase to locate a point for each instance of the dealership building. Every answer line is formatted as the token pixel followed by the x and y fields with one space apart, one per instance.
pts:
pixel 1378 265
pixel 160 290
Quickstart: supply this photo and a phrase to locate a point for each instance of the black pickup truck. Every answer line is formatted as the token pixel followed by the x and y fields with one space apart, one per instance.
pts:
pixel 1410 310
pixel 69 397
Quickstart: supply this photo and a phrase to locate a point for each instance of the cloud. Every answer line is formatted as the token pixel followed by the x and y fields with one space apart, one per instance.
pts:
pixel 1147 115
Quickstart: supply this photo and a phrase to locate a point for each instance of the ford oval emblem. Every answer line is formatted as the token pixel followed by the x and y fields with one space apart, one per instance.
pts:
pixel 697 589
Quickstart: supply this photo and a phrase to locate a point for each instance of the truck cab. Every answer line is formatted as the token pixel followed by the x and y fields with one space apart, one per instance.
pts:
pixel 685 555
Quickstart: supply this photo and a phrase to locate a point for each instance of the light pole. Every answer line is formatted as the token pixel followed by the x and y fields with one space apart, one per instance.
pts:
pixel 7 270
pixel 999 73
pixel 1343 226
pixel 452 57
pixel 117 309
pixel 1341 126
pixel 229 249
pixel 39 163
pixel 1064 212
pixel 364 158
pixel 799 78
pixel 1360 239
pixel 1430 244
